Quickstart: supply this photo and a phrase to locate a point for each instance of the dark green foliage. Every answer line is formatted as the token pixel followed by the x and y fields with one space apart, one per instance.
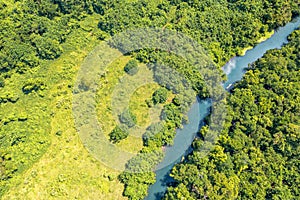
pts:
pixel 172 113
pixel 2 82
pixel 34 31
pixel 160 96
pixel 8 97
pixel 117 134
pixel 222 27
pixel 131 67
pixel 17 55
pixel 47 48
pixel 33 85
pixel 127 118
pixel 182 78
pixel 150 133
pixel 140 176
pixel 6 168
pixel 158 135
pixel 257 155
pixel 77 7
pixel 58 133
pixel 178 100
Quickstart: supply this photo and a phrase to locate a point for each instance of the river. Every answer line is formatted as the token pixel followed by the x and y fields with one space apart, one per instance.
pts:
pixel 234 70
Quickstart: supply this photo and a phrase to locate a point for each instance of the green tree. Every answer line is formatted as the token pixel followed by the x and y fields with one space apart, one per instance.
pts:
pixel 33 85
pixel 160 95
pixel 47 48
pixel 131 67
pixel 257 151
pixel 117 134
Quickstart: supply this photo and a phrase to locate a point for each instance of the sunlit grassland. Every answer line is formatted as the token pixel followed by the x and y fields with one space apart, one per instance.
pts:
pixel 137 104
pixel 106 118
pixel 66 170
pixel 60 167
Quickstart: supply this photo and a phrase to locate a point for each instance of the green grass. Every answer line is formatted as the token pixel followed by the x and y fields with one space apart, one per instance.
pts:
pixel 63 169
pixel 117 81
pixel 60 166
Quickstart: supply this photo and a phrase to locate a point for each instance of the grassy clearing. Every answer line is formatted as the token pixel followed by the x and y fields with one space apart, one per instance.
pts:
pixel 109 84
pixel 106 119
pixel 66 170
pixel 138 104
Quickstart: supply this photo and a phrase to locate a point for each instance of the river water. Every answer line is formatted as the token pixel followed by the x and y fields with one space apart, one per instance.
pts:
pixel 234 70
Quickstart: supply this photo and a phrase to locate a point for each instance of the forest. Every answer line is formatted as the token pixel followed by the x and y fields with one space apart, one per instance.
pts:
pixel 257 154
pixel 262 131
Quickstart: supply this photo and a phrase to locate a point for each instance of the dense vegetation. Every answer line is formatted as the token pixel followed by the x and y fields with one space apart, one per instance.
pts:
pixel 33 34
pixel 224 28
pixel 160 96
pixel 257 155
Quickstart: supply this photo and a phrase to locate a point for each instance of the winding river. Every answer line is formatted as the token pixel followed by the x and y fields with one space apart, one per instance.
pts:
pixel 234 70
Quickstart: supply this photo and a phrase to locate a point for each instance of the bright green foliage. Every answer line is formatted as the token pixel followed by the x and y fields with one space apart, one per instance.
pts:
pixel 257 155
pixel 131 67
pixel 117 135
pixel 34 32
pixel 37 29
pixel 8 97
pixel 33 85
pixel 180 192
pixel 31 32
pixel 141 176
pixel 223 28
pixel 137 184
pixel 160 96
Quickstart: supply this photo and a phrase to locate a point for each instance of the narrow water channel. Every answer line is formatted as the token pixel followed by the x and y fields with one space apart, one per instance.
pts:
pixel 234 70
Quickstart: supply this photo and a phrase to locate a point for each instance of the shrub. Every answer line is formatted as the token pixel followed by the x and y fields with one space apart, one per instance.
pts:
pixel 117 135
pixel 33 85
pixel 131 67
pixel 127 118
pixel 160 96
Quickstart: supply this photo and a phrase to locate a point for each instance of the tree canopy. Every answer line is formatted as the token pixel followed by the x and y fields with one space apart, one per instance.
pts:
pixel 34 34
pixel 257 155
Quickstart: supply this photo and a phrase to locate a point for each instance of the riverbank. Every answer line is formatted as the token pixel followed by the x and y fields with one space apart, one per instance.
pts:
pixel 262 39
